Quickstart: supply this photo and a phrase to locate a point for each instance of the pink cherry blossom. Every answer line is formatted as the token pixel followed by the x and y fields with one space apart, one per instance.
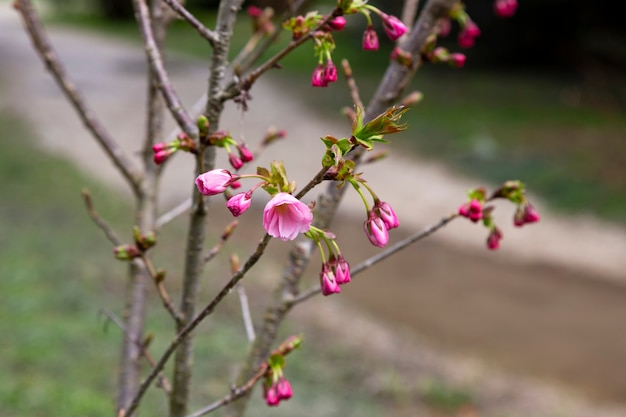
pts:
pixel 235 161
pixel 342 270
pixel 337 23
pixel 245 154
pixel 283 388
pixel 386 213
pixel 330 72
pixel 285 217
pixel 394 28
pixel 457 60
pixel 317 78
pixel 239 203
pixel 531 215
pixel 271 396
pixel 370 39
pixel 214 182
pixel 376 230
pixel 328 281
pixel 494 238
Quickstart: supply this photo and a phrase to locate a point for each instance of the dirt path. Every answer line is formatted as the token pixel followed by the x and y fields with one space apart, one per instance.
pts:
pixel 550 303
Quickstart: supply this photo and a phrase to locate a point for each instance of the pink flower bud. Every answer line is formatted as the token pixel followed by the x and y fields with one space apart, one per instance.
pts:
pixel 472 210
pixel 337 23
pixel 465 41
pixel 457 60
pixel 317 78
pixel 161 146
pixel 254 11
pixel 214 182
pixel 530 214
pixel 235 184
pixel 239 203
pixel 370 39
pixel 472 29
pixel 394 28
pixel 162 156
pixel 245 154
pixel 376 230
pixel 494 238
pixel 385 212
pixel 285 217
pixel 283 388
pixel 271 396
pixel 235 161
pixel 342 270
pixel 505 8
pixel 330 73
pixel 328 282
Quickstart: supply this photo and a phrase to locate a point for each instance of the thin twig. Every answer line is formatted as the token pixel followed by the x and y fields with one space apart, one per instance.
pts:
pixel 228 231
pixel 45 51
pixel 245 312
pixel 202 30
pixel 155 60
pixel 315 290
pixel 252 260
pixel 170 215
pixel 158 282
pixel 354 90
pixel 99 221
pixel 235 393
pixel 162 380
pixel 247 82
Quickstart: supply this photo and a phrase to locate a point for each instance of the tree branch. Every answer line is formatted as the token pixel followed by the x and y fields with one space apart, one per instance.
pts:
pixel 202 30
pixel 394 82
pixel 184 333
pixel 155 60
pixel 373 260
pixel 49 57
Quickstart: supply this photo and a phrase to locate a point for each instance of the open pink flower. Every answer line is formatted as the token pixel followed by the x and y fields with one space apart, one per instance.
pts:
pixel 214 182
pixel 285 217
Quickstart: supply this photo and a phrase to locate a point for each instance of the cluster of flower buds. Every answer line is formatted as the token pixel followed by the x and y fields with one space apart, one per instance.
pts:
pixel 393 27
pixel 276 387
pixel 223 139
pixel 439 54
pixel 513 191
pixel 336 270
pixel 284 216
pixel 505 8
pixel 380 219
pixel 325 72
pixel 469 30
pixel 163 150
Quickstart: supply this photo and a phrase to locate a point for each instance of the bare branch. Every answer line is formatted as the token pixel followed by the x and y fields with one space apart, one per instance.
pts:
pixel 205 32
pixel 47 54
pixel 162 380
pixel 228 232
pixel 354 90
pixel 409 11
pixel 158 282
pixel 142 14
pixel 245 312
pixel 182 335
pixel 103 225
pixel 170 215
pixel 315 290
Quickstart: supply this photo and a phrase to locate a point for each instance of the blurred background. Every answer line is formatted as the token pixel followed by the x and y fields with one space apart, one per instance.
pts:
pixel 445 328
